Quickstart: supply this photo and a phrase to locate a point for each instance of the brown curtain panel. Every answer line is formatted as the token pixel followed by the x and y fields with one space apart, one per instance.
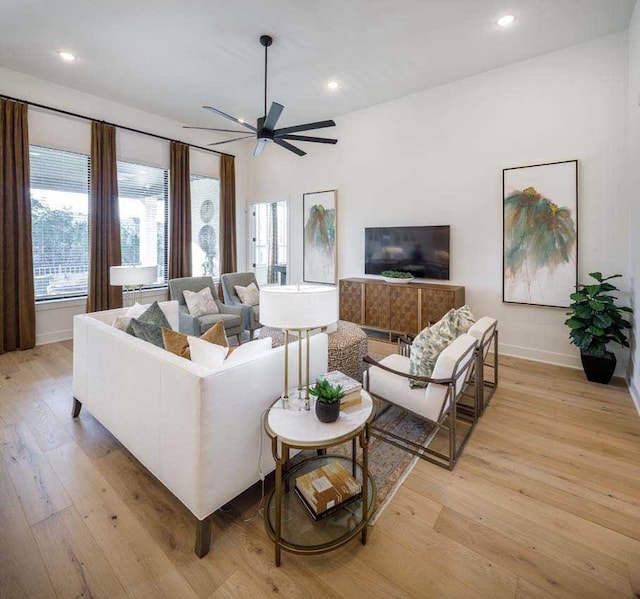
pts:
pixel 228 253
pixel 17 302
pixel 179 212
pixel 104 220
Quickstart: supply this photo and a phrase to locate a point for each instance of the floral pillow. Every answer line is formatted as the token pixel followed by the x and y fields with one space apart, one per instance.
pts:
pixel 201 302
pixel 430 342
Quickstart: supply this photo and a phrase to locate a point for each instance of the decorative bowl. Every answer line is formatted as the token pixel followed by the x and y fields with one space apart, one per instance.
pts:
pixel 397 280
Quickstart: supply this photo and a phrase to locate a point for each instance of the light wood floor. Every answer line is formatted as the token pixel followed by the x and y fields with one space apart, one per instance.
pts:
pixel 545 502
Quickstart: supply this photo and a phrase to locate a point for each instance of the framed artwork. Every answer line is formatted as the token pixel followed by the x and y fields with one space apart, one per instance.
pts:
pixel 540 234
pixel 319 245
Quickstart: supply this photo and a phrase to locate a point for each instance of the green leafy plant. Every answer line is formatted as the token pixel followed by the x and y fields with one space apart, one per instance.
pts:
pixel 594 319
pixel 396 274
pixel 325 392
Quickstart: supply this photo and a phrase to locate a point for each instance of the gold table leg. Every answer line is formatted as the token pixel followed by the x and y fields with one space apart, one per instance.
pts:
pixel 364 443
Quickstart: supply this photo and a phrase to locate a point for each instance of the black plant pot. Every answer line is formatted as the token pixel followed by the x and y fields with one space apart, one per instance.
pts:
pixel 327 412
pixel 599 369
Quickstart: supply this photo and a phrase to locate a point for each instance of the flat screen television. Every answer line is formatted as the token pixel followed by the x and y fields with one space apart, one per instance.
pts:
pixel 421 251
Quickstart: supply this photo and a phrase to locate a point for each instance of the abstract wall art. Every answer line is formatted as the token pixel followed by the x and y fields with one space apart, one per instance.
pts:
pixel 540 234
pixel 319 246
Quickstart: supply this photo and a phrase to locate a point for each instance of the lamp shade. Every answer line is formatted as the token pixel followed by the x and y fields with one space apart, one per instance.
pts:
pixel 298 306
pixel 131 276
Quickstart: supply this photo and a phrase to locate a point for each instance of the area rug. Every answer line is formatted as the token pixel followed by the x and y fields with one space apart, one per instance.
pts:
pixel 390 465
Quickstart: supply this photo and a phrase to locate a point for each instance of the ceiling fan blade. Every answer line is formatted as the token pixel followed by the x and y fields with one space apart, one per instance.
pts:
pixel 214 129
pixel 273 115
pixel 231 118
pixel 306 127
pixel 319 140
pixel 259 147
pixel 288 146
pixel 228 141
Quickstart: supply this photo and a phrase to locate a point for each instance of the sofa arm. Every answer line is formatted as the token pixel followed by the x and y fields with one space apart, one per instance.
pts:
pixel 188 324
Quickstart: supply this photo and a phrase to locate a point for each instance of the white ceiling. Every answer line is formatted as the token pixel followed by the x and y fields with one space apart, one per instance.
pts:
pixel 169 57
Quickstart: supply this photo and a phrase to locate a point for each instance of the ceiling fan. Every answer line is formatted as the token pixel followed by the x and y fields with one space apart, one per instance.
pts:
pixel 265 130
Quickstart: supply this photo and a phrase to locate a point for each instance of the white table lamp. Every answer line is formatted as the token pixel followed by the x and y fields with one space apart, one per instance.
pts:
pixel 299 308
pixel 133 277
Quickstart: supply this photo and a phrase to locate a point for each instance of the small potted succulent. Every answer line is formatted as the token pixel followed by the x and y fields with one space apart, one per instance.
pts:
pixel 595 320
pixel 327 400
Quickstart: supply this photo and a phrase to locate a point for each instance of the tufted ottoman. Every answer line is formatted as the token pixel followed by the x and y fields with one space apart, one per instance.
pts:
pixel 347 347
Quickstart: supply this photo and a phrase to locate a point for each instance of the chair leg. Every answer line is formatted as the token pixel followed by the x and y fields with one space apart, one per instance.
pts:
pixel 203 536
pixel 75 409
pixel 239 338
pixel 251 335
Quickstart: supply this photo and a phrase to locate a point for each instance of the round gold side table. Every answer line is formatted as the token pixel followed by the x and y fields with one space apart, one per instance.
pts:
pixel 287 522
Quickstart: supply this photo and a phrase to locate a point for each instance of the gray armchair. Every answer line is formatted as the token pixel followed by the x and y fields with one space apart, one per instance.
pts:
pixel 197 325
pixel 250 314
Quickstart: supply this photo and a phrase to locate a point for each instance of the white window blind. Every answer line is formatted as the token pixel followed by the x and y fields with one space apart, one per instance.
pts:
pixel 59 215
pixel 143 200
pixel 205 226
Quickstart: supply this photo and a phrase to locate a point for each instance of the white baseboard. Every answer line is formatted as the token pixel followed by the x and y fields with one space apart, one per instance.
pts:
pixel 635 395
pixel 538 355
pixel 54 336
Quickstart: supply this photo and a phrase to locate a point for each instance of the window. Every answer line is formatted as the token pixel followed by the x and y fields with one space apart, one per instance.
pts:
pixel 269 242
pixel 143 199
pixel 59 216
pixel 205 225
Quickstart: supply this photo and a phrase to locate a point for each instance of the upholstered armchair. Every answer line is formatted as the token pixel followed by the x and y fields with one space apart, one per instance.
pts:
pixel 250 314
pixel 437 404
pixel 197 325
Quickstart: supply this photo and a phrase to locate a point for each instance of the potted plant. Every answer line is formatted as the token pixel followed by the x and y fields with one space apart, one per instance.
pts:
pixel 396 276
pixel 327 400
pixel 595 320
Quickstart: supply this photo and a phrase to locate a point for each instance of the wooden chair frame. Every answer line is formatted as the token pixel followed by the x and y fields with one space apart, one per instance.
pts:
pixel 463 367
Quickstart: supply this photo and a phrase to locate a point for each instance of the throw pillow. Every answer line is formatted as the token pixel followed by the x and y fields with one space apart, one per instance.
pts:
pixel 207 354
pixel 248 351
pixel 249 295
pixel 147 331
pixel 464 319
pixel 201 302
pixel 122 322
pixel 426 347
pixel 148 326
pixel 178 343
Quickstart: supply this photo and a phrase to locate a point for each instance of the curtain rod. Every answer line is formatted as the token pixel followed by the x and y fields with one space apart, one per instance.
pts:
pixel 123 127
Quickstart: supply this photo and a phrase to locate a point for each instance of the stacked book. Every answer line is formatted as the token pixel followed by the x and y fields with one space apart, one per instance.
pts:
pixel 350 386
pixel 327 489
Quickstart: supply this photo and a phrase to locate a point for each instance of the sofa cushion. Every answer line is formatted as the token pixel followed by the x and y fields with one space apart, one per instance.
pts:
pixel 200 302
pixel 248 351
pixel 178 343
pixel 122 322
pixel 207 354
pixel 249 295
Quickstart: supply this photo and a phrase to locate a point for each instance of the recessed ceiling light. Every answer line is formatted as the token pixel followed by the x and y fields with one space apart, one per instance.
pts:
pixel 333 85
pixel 506 20
pixel 241 120
pixel 66 56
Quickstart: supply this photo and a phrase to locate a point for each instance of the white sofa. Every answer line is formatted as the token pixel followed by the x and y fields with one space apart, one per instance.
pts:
pixel 198 431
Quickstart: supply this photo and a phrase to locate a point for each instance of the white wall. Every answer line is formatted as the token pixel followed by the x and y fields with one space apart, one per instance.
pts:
pixel 634 187
pixel 436 157
pixel 54 320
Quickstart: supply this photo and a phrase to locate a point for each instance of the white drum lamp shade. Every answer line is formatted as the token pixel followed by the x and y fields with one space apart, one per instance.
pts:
pixel 298 306
pixel 132 276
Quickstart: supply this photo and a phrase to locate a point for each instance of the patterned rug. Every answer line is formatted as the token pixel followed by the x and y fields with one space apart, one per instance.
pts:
pixel 388 464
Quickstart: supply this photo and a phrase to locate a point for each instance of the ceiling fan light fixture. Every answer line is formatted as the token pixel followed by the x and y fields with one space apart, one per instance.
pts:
pixel 506 21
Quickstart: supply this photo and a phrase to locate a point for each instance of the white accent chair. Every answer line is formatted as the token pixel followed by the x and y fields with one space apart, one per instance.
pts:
pixel 388 380
pixel 485 330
